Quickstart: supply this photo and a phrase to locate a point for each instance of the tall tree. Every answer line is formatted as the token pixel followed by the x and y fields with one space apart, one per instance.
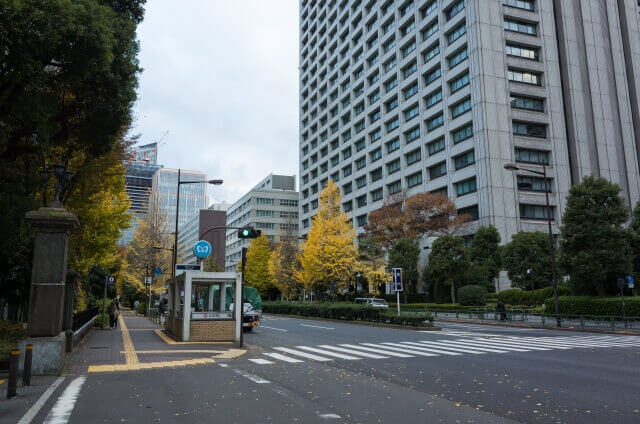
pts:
pixel 329 254
pixel 485 256
pixel 405 254
pixel 595 246
pixel 389 223
pixel 448 265
pixel 635 240
pixel 283 266
pixel 373 263
pixel 527 260
pixel 256 272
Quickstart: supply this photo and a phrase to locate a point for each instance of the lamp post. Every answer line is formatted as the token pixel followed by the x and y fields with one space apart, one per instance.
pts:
pixel 513 167
pixel 63 178
pixel 174 260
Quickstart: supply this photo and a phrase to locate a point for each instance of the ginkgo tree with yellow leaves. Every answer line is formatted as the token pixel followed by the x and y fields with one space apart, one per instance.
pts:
pixel 329 254
pixel 257 273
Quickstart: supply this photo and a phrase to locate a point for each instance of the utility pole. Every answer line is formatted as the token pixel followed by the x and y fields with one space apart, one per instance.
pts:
pixel 244 262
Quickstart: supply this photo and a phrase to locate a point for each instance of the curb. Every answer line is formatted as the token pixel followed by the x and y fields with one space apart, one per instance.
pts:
pixel 372 324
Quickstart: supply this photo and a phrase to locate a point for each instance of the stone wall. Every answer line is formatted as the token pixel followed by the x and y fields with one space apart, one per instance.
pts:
pixel 212 331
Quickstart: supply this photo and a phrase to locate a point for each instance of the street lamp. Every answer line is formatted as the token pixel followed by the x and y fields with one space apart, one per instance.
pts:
pixel 63 178
pixel 513 167
pixel 174 260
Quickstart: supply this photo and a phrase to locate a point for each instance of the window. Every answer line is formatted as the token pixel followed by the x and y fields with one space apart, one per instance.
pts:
pixel 376 195
pixel 373 117
pixel 460 108
pixel 361 163
pixel 537 157
pixel 346 153
pixel 390 84
pixel 346 101
pixel 347 206
pixel 435 122
pixel 410 91
pixel 536 212
pixel 266 225
pixel 407 28
pixel 462 133
pixel 264 201
pixel 376 174
pixel 361 219
pixel 376 154
pixel 346 171
pixel 390 64
pixel 464 160
pixel 460 82
pixel 346 189
pixel 457 58
pixel 335 176
pixel 394 187
pixel 374 97
pixel 358 74
pixel 334 160
pixel 374 78
pixel 435 146
pixel 456 32
pixel 520 4
pixel 358 109
pixel 406 8
pixel 263 213
pixel 411 112
pixel 432 75
pixel 360 126
pixel 455 9
pixel 361 181
pixel 412 134
pixel 391 104
pixel 431 29
pixel 527 129
pixel 305 179
pixel 393 145
pixel 414 179
pixel 373 59
pixel 467 186
pixel 413 157
pixel 389 44
pixel 433 98
pixel 314 204
pixel 361 201
pixel 527 103
pixel 527 183
pixel 305 208
pixel 429 8
pixel 393 166
pixel 410 70
pixel 437 171
pixel 408 49
pixel 520 26
pixel 360 144
pixel 392 125
pixel 431 52
pixel 521 51
pixel 359 90
pixel 470 211
pixel 388 26
pixel 345 85
pixel 442 190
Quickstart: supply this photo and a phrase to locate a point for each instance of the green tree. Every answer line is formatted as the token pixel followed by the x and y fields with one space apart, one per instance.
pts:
pixel 256 271
pixel 283 266
pixel 405 254
pixel 448 267
pixel 211 264
pixel 595 246
pixel 528 251
pixel 485 256
pixel 635 240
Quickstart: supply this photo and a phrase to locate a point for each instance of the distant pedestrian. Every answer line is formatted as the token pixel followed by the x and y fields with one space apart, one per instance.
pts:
pixel 135 306
pixel 500 308
pixel 112 314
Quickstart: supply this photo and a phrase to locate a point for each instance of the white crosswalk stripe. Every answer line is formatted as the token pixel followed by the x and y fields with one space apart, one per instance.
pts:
pixel 476 345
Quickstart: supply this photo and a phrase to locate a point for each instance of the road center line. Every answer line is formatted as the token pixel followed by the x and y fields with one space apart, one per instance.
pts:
pixel 272 328
pixel 61 411
pixel 33 411
pixel 317 326
pixel 251 377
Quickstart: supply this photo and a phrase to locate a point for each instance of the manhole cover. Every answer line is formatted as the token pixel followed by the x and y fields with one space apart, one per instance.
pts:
pixel 98 347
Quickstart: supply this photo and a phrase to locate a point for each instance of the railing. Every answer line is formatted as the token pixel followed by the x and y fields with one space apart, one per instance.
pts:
pixel 82 317
pixel 156 316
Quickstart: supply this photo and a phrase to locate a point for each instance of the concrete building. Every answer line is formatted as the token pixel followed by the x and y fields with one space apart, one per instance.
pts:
pixel 438 95
pixel 271 206
pixel 193 197
pixel 139 170
pixel 197 229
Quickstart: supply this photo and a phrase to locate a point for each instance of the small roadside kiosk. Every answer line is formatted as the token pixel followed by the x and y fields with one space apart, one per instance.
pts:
pixel 199 307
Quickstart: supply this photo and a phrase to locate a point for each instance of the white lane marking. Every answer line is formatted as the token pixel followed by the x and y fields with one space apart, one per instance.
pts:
pixel 486 349
pixel 576 343
pixel 499 343
pixel 363 354
pixel 303 354
pixel 405 349
pixel 317 326
pixel 282 357
pixel 33 411
pixel 483 345
pixel 272 328
pixel 260 361
pixel 327 353
pixel 330 416
pixel 383 352
pixel 527 343
pixel 442 351
pixel 224 365
pixel 61 411
pixel 251 377
pixel 448 347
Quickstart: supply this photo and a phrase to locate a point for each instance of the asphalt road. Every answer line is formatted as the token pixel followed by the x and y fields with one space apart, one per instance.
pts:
pixel 312 371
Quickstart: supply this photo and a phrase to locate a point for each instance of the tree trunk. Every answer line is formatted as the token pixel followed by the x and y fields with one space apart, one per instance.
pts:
pixel 453 290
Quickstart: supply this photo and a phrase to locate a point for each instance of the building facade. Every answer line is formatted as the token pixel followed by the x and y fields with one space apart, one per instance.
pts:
pixel 271 207
pixel 438 95
pixel 200 227
pixel 139 170
pixel 193 197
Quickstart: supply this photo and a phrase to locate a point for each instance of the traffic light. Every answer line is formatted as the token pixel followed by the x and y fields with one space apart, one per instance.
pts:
pixel 249 233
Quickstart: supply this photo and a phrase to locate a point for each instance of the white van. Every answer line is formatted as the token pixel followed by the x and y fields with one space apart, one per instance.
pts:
pixel 372 301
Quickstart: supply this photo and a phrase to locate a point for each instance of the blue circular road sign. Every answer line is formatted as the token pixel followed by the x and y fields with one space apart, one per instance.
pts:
pixel 202 249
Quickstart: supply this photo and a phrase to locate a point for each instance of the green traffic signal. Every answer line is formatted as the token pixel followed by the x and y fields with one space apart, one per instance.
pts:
pixel 249 233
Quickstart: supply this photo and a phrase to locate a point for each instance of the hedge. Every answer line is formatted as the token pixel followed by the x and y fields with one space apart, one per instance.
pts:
pixel 342 311
pixel 433 306
pixel 591 305
pixel 472 295
pixel 523 297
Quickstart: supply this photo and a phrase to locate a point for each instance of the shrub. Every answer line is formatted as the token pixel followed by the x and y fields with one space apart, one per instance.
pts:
pixel 472 295
pixel 10 333
pixel 523 297
pixel 600 306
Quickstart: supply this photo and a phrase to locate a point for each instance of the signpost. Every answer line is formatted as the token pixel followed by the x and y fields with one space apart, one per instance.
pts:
pixel 109 280
pixel 397 284
pixel 630 281
pixel 202 249
pixel 621 285
pixel 157 271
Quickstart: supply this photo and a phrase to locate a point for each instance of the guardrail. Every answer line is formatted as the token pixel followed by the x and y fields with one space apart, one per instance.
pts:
pixel 528 317
pixel 81 318
pixel 156 315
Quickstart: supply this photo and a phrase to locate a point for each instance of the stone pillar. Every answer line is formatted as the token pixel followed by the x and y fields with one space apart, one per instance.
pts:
pixel 73 280
pixel 53 227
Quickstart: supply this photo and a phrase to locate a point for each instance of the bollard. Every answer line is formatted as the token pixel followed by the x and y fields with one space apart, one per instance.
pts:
pixel 12 384
pixel 26 371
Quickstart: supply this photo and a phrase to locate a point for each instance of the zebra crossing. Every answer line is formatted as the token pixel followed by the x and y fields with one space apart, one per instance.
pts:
pixel 479 345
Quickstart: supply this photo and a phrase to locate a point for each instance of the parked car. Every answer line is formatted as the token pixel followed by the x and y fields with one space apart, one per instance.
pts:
pixel 372 301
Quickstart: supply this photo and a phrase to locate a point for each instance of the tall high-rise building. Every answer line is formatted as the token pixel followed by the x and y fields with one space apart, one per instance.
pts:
pixel 271 207
pixel 438 95
pixel 193 197
pixel 139 170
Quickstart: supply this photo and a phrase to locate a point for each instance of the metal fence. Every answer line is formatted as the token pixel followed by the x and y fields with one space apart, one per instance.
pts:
pixel 531 319
pixel 156 316
pixel 82 317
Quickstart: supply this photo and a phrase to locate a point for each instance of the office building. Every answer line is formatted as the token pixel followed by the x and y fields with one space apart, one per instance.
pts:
pixel 139 170
pixel 438 95
pixel 271 206
pixel 200 227
pixel 193 197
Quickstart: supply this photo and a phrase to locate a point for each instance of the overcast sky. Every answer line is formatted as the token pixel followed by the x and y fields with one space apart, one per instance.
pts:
pixel 222 77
